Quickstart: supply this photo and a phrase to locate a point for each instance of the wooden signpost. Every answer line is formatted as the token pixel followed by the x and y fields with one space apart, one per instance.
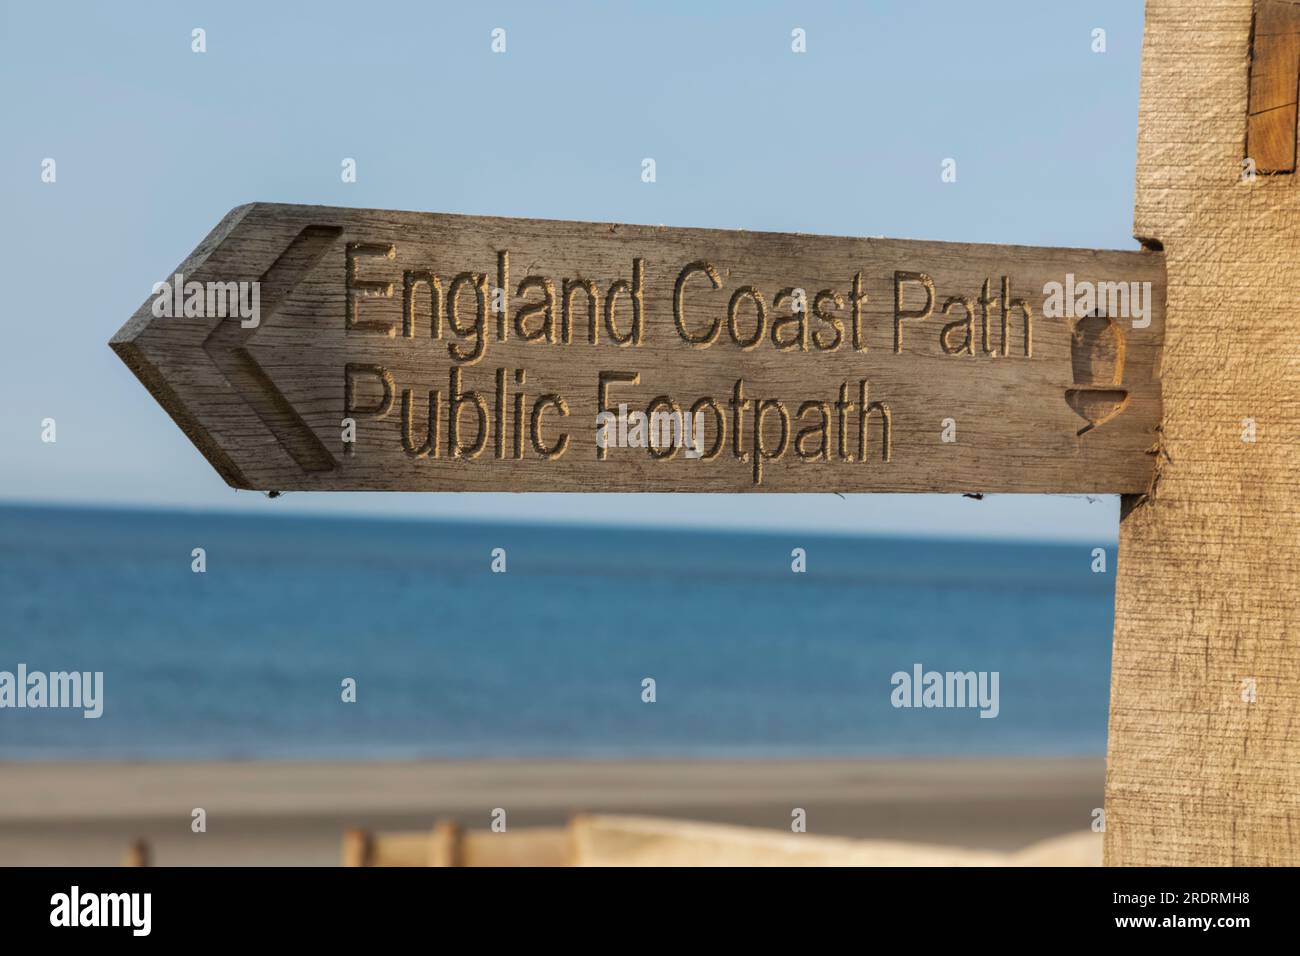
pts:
pixel 1204 754
pixel 422 352
pixel 380 350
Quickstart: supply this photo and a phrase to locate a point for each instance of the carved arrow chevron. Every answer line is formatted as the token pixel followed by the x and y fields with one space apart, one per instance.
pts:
pixel 398 351
pixel 162 353
pixel 228 347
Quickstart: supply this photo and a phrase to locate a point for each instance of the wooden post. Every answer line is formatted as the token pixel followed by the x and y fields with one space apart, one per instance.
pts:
pixel 138 854
pixel 1204 750
pixel 358 848
pixel 446 844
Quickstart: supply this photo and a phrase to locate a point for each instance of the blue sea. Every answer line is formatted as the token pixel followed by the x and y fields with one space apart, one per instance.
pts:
pixel 247 659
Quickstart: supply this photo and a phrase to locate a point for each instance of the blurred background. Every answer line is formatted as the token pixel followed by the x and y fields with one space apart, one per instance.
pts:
pixel 523 692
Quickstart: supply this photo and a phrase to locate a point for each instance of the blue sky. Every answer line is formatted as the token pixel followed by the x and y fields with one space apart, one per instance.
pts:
pixel 154 143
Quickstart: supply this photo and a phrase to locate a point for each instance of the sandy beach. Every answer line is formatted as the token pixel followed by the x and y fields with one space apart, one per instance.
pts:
pixel 281 813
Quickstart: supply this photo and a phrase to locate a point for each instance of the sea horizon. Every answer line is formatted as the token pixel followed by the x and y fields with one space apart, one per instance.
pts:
pixel 452 660
pixel 1105 535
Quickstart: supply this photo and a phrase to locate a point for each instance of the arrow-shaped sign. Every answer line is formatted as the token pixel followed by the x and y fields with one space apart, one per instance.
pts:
pixel 304 347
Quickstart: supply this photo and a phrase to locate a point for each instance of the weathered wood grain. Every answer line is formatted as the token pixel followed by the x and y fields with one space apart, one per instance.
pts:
pixel 1204 750
pixel 1074 409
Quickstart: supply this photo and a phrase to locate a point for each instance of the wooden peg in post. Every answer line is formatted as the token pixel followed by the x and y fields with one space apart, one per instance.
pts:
pixel 1274 86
